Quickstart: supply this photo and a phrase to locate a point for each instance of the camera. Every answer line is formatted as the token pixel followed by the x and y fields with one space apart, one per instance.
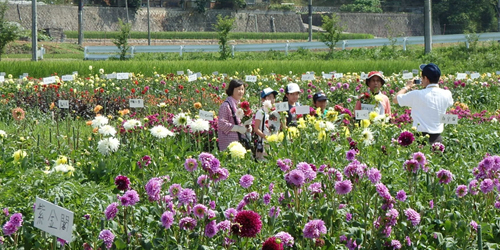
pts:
pixel 416 81
pixel 260 147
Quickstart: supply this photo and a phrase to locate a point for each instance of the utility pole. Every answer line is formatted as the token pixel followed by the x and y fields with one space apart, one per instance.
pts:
pixel 428 26
pixel 311 20
pixel 149 27
pixel 80 22
pixel 34 34
pixel 126 9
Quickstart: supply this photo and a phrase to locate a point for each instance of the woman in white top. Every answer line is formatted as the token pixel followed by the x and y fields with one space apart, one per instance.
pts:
pixel 260 127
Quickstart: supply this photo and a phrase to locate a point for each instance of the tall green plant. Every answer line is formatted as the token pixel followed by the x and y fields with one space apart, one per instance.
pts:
pixel 223 26
pixel 122 40
pixel 333 30
pixel 8 31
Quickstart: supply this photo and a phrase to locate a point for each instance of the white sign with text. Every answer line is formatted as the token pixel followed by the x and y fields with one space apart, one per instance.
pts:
pixel 209 116
pixel 308 77
pixel 136 103
pixel 368 107
pixel 475 75
pixel 250 78
pixel 408 75
pixel 361 114
pixel 449 119
pixel 53 219
pixel 122 76
pixel 180 72
pixel 192 78
pixel 68 78
pixel 63 104
pixel 281 106
pixel 49 80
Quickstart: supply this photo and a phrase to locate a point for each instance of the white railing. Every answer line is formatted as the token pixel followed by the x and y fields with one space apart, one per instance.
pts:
pixel 104 52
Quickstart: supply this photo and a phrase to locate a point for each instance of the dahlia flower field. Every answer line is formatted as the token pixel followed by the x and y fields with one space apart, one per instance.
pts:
pixel 152 177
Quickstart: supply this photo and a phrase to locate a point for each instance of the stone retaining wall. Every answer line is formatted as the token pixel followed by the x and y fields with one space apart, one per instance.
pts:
pixel 106 19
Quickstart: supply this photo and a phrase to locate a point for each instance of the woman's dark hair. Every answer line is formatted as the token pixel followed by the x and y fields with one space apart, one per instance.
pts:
pixel 235 83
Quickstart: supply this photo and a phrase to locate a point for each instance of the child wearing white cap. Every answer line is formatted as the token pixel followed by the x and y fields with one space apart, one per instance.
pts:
pixel 292 94
pixel 260 127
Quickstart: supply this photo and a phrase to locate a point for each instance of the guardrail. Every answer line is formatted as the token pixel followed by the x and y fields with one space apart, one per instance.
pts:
pixel 105 52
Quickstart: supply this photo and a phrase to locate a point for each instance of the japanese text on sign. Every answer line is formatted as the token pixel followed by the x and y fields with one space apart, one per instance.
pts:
pixel 449 119
pixel 122 76
pixel 368 107
pixel 68 78
pixel 49 80
pixel 307 77
pixel 361 114
pixel 250 78
pixel 407 76
pixel 136 103
pixel 111 76
pixel 63 104
pixel 327 76
pixel 209 116
pixel 192 78
pixel 53 219
pixel 281 106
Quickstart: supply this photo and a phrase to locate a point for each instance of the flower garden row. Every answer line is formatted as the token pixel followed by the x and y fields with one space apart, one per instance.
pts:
pixel 152 177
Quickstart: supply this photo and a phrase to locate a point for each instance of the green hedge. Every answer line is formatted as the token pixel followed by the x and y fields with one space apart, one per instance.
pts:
pixel 208 35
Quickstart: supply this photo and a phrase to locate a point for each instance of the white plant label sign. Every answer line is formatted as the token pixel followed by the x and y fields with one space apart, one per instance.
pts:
pixel 48 80
pixel 198 74
pixel 209 116
pixel 179 73
pixel 415 71
pixel 449 119
pixel 368 107
pixel 122 76
pixel 250 78
pixel 338 75
pixel 53 219
pixel 136 103
pixel 363 76
pixel 111 76
pixel 63 104
pixel 361 114
pixel 192 78
pixel 408 75
pixel 327 76
pixel 2 78
pixel 302 110
pixel 68 78
pixel 281 106
pixel 475 76
pixel 461 76
pixel 308 77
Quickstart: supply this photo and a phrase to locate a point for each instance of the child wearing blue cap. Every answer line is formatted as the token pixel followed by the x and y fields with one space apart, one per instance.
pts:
pixel 260 127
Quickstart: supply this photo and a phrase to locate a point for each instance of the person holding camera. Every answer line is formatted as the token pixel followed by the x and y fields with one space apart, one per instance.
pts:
pixel 428 104
pixel 375 81
pixel 292 94
pixel 260 127
pixel 229 125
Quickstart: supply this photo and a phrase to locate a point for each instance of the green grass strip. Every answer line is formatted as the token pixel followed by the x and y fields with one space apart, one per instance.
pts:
pixel 47 68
